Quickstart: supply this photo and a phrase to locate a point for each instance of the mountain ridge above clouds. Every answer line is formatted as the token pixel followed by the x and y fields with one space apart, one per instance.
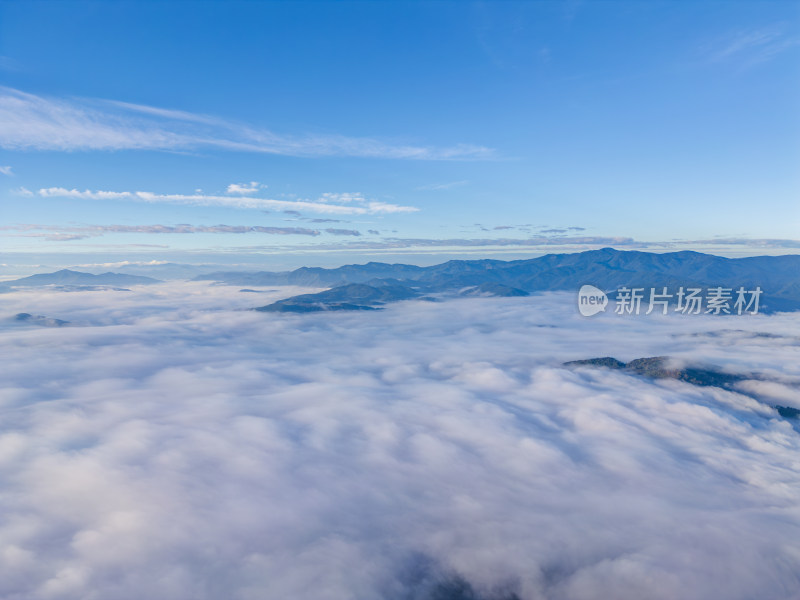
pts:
pixel 38 320
pixel 156 269
pixel 608 269
pixel 664 367
pixel 550 272
pixel 76 280
pixel 351 296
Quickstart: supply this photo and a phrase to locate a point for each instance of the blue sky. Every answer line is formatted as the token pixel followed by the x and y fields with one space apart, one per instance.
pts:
pixel 292 133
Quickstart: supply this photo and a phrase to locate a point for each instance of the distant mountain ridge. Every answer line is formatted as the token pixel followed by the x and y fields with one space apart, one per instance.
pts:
pixel 662 367
pixel 40 320
pixel 380 283
pixel 75 280
pixel 352 296
pixel 316 276
pixel 608 269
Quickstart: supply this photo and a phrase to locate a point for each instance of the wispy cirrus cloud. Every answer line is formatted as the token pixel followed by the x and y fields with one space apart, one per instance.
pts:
pixel 562 229
pixel 442 186
pixel 335 231
pixel 55 233
pixel 753 46
pixel 31 122
pixel 343 198
pixel 567 243
pixel 541 240
pixel 54 236
pixel 328 203
pixel 768 243
pixel 66 233
pixel 556 240
pixel 6 170
pixel 8 64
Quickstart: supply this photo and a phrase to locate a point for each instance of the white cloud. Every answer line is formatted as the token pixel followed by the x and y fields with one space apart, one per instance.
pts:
pixel 244 188
pixel 780 393
pixel 125 263
pixel 179 446
pixel 320 206
pixel 344 198
pixel 6 171
pixel 66 233
pixel 54 236
pixel 30 122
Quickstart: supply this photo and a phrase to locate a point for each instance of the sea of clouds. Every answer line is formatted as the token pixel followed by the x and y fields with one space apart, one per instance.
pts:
pixel 170 445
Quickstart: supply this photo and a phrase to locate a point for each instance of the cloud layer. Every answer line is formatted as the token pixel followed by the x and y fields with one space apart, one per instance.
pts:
pixel 30 122
pixel 168 445
pixel 51 232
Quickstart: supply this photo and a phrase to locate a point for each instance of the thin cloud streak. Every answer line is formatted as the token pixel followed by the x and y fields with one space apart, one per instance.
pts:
pixel 336 231
pixel 559 240
pixel 59 233
pixel 776 243
pixel 551 240
pixel 31 122
pixel 754 46
pixel 442 186
pixel 324 205
pixel 567 242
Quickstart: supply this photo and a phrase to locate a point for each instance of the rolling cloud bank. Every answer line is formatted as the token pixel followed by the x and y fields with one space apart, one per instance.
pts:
pixel 168 444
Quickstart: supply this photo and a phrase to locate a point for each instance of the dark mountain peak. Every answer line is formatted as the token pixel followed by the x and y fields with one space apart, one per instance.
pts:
pixel 493 289
pixel 67 272
pixel 605 361
pixel 351 296
pixel 39 320
pixel 686 253
pixel 665 367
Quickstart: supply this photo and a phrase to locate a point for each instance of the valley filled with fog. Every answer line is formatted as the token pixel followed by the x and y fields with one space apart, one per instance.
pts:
pixel 170 443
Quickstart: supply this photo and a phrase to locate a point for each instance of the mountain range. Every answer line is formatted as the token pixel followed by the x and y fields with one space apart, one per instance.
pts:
pixel 608 269
pixel 75 280
pixel 374 284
